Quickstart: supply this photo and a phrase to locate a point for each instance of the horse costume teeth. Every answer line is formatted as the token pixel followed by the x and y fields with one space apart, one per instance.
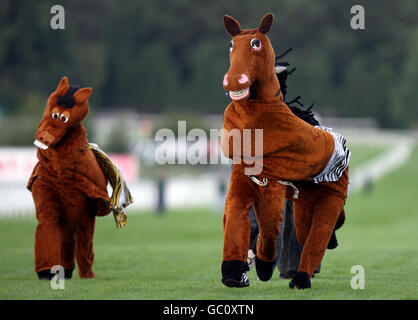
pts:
pixel 280 69
pixel 239 94
pixel 39 144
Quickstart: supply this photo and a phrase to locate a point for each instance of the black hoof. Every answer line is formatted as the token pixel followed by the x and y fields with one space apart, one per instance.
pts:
pixel 68 273
pixel 333 243
pixel 45 274
pixel 300 281
pixel 264 269
pixel 234 274
pixel 251 258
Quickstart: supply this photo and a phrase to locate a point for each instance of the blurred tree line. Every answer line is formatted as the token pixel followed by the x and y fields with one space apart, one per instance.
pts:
pixel 163 56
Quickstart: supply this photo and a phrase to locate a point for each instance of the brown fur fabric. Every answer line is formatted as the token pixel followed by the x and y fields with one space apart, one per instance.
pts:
pixel 68 186
pixel 293 150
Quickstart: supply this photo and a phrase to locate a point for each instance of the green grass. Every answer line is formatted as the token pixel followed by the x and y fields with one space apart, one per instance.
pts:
pixel 178 256
pixel 362 153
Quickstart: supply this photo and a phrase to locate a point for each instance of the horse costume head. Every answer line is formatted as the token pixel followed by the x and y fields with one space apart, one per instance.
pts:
pixel 252 71
pixel 67 106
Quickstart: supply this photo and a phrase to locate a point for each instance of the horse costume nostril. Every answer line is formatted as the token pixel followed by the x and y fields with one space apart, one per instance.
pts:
pixel 243 79
pixel 225 82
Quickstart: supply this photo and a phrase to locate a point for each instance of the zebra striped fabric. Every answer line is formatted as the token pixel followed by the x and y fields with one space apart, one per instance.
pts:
pixel 121 197
pixel 339 159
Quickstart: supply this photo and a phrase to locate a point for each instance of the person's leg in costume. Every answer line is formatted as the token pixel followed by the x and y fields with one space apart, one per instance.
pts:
pixel 288 246
pixel 268 209
pixel 253 238
pixel 236 226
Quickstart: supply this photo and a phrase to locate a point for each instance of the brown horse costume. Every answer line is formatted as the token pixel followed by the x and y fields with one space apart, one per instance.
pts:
pixel 305 163
pixel 68 185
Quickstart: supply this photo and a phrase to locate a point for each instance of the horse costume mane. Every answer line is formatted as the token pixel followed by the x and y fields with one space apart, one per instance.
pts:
pixel 66 100
pixel 282 73
pixel 301 161
pixel 69 185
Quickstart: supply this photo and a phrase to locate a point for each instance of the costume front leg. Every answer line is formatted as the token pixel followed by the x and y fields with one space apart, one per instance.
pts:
pixel 47 235
pixel 75 207
pixel 236 226
pixel 84 249
pixel 268 208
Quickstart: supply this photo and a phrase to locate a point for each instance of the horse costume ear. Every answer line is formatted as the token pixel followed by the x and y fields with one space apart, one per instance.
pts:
pixel 265 23
pixel 63 86
pixel 231 25
pixel 82 95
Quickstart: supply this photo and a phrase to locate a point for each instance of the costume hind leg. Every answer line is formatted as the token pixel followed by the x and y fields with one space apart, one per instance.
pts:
pixel 318 213
pixel 303 220
pixel 315 216
pixel 315 236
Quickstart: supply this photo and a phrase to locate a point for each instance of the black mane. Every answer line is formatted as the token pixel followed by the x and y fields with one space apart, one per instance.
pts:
pixel 306 115
pixel 67 100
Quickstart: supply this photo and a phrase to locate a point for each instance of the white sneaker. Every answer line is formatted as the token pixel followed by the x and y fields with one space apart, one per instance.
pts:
pixel 251 258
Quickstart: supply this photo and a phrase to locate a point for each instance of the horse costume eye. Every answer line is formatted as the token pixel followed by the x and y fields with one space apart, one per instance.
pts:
pixel 255 44
pixel 231 45
pixel 64 118
pixel 55 115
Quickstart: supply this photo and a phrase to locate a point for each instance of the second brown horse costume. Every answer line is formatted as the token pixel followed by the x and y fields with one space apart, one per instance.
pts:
pixel 68 185
pixel 304 163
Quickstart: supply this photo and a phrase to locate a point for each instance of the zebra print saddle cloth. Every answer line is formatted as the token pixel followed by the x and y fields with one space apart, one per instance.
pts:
pixel 338 161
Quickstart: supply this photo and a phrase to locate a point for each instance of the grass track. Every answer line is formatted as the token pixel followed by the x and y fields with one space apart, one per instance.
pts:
pixel 178 256
pixel 362 153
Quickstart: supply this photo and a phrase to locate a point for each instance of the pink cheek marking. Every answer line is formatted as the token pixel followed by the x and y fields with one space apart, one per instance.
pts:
pixel 243 79
pixel 225 82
